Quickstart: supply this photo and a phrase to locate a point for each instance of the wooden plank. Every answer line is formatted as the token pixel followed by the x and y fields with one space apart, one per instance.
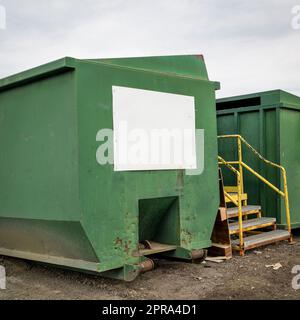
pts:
pixel 221 242
pixel 219 259
pixel 223 214
pixel 223 250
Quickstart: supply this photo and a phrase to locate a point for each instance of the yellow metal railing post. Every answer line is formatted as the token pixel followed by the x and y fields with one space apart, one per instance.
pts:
pixel 240 163
pixel 240 184
pixel 241 233
pixel 287 204
pixel 240 155
pixel 238 203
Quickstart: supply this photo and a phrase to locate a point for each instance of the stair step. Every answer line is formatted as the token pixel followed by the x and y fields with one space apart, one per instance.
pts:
pixel 231 189
pixel 234 212
pixel 234 195
pixel 252 224
pixel 262 239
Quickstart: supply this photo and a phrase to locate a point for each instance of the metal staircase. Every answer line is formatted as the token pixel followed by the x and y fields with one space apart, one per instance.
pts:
pixel 248 228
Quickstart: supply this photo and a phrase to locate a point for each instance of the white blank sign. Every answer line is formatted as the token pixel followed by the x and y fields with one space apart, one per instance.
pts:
pixel 153 130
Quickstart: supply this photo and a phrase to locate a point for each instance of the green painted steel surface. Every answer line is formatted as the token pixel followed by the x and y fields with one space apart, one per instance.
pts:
pixel 270 122
pixel 58 205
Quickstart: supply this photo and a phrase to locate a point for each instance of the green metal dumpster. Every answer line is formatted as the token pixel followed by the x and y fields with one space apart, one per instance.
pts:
pixel 270 122
pixel 60 205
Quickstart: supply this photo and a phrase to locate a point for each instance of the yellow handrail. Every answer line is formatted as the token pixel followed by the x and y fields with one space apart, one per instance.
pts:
pixel 239 137
pixel 241 164
pixel 263 179
pixel 237 203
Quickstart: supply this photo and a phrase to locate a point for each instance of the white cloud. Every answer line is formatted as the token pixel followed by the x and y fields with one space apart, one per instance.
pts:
pixel 248 46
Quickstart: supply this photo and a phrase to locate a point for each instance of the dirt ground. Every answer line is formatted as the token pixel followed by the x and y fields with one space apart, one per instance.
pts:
pixel 238 278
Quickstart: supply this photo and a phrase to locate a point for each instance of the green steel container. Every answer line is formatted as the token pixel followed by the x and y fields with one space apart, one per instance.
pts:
pixel 59 206
pixel 270 122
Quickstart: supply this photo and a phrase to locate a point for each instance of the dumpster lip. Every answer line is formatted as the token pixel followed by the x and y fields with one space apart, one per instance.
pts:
pixel 69 64
pixel 246 96
pixel 116 62
pixel 282 103
pixel 43 71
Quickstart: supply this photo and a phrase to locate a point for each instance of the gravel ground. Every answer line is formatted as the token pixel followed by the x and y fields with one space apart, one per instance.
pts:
pixel 238 278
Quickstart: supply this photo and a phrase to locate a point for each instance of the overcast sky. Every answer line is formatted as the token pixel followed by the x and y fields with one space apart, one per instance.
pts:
pixel 248 45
